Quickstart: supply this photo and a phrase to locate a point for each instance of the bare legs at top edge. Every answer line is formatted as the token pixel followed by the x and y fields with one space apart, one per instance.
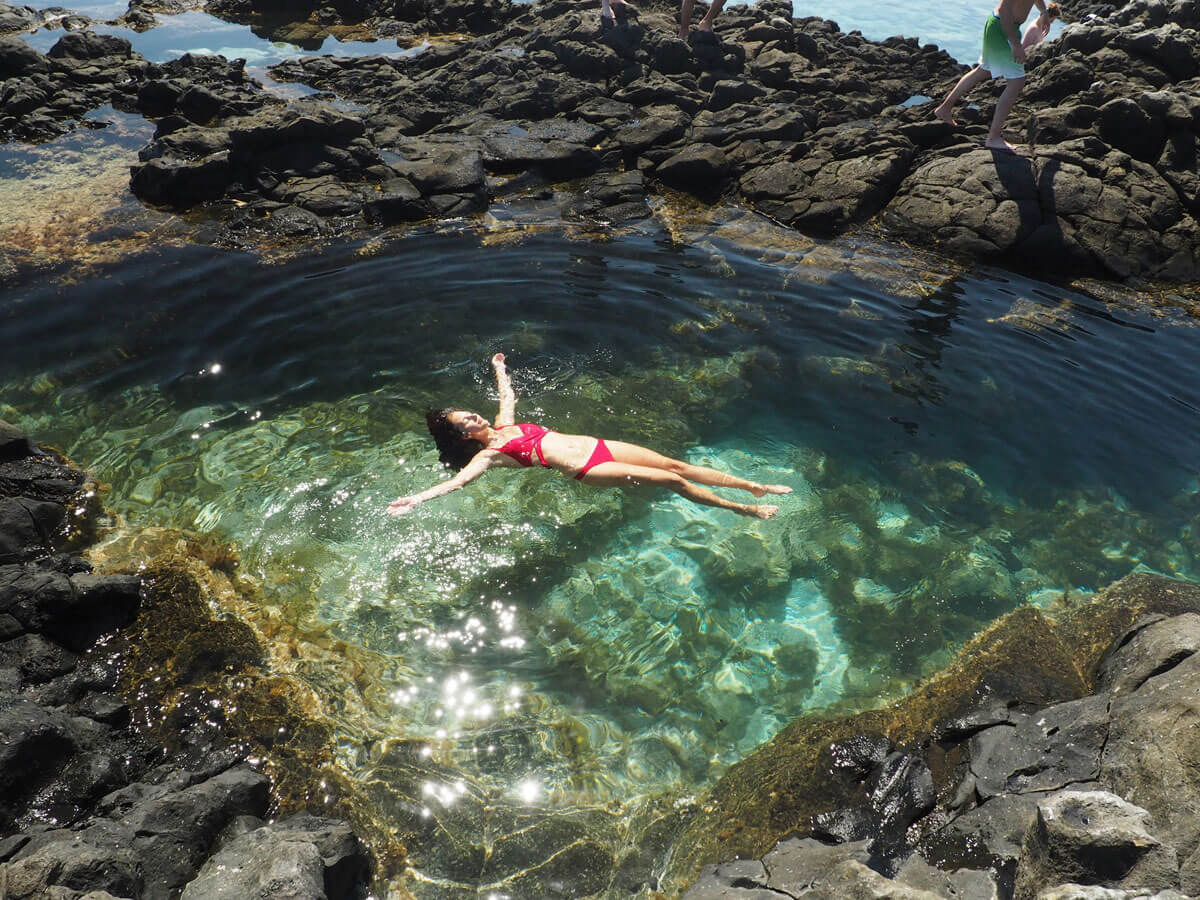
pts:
pixel 606 9
pixel 705 24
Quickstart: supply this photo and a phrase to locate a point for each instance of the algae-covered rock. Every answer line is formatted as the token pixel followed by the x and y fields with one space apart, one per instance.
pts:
pixel 1025 661
pixel 199 688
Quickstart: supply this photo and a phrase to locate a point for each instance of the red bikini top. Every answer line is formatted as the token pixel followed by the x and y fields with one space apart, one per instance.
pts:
pixel 521 448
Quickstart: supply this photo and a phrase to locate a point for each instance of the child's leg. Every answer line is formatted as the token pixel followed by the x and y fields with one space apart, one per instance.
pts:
pixel 945 110
pixel 706 24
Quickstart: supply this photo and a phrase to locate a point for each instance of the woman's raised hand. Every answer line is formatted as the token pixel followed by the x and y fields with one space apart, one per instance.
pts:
pixel 508 399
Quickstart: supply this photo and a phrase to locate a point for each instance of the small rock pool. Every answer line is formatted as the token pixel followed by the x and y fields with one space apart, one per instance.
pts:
pixel 959 443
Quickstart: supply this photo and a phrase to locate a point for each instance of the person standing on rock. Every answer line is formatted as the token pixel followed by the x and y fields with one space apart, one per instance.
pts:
pixel 706 24
pixel 1002 56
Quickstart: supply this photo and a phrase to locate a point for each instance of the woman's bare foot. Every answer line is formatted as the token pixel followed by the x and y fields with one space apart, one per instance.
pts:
pixel 1001 145
pixel 759 489
pixel 946 115
pixel 763 512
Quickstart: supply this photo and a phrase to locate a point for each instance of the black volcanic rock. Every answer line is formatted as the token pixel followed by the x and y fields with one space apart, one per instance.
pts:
pixel 300 857
pixel 800 120
pixel 18 58
pixel 86 805
pixel 15 19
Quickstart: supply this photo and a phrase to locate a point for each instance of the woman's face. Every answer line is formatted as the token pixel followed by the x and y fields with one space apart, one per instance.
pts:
pixel 469 424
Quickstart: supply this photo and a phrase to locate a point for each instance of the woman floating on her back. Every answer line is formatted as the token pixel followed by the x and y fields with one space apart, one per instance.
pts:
pixel 471 445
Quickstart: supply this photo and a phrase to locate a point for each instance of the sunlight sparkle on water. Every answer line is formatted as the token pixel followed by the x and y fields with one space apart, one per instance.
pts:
pixel 529 791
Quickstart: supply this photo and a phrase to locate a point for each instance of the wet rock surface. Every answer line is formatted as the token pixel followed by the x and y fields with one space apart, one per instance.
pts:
pixel 1088 797
pixel 801 121
pixel 88 805
pixel 43 96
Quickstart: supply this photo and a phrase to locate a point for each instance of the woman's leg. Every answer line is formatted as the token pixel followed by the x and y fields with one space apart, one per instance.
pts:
pixel 640 456
pixel 623 475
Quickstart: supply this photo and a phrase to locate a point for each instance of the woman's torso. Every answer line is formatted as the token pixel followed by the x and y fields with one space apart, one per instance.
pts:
pixel 566 452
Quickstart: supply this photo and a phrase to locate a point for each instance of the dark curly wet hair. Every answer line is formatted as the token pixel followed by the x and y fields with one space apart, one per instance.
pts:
pixel 455 449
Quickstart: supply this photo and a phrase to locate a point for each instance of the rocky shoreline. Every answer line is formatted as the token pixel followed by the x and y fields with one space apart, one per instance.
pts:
pixel 821 130
pixel 975 785
pixel 91 803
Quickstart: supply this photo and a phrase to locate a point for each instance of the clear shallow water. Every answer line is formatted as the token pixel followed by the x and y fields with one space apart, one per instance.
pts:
pixel 957 447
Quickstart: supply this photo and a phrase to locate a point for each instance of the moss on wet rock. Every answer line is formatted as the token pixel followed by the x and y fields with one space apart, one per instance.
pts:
pixel 1027 659
pixel 199 688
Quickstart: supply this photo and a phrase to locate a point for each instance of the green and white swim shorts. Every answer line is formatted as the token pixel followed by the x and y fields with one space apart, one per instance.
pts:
pixel 997 55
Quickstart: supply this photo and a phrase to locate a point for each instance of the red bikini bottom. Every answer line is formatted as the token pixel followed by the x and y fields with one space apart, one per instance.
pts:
pixel 600 455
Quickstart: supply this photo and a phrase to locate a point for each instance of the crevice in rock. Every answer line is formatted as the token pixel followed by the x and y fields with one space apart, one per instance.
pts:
pixel 1166 665
pixel 1107 735
pixel 766 886
pixel 1134 631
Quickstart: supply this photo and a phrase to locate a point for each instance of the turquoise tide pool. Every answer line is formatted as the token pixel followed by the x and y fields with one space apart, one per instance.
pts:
pixel 959 443
pixel 958 446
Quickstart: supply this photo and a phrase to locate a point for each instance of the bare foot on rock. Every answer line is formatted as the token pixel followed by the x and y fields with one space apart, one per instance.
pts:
pixel 945 115
pixel 1002 146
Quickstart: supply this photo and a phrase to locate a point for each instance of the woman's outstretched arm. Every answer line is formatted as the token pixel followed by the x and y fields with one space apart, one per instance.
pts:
pixel 508 400
pixel 472 470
